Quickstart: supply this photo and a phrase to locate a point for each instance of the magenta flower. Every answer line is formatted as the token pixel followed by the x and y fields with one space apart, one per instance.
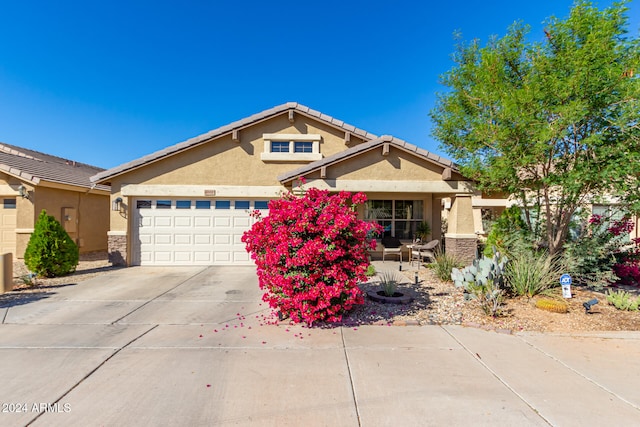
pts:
pixel 311 253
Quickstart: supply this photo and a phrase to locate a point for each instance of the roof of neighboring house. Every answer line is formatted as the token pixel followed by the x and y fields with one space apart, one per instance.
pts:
pixel 264 115
pixel 366 146
pixel 33 166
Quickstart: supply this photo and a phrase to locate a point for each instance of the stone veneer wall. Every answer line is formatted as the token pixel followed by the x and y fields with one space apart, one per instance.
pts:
pixel 117 250
pixel 462 248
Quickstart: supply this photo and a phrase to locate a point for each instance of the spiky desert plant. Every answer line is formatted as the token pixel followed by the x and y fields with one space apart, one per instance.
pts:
pixel 530 273
pixel 444 264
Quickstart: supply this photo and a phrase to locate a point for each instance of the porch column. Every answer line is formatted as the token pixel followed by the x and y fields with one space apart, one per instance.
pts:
pixel 461 239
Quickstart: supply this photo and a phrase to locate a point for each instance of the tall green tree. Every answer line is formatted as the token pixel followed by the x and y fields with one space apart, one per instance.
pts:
pixel 552 122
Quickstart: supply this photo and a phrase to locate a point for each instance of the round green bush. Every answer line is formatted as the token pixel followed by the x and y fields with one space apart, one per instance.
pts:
pixel 50 251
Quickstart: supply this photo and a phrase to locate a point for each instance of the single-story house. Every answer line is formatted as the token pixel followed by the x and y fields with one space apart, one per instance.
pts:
pixel 188 204
pixel 31 181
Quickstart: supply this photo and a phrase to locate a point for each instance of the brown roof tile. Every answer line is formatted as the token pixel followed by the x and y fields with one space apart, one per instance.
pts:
pixel 104 176
pixel 34 166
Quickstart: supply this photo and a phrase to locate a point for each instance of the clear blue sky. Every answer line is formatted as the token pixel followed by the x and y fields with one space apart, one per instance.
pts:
pixel 110 81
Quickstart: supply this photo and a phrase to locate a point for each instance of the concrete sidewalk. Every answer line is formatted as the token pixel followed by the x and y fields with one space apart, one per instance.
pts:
pixel 190 346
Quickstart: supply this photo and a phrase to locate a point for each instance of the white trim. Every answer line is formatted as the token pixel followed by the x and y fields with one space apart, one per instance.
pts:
pixel 291 156
pixel 461 236
pixel 116 233
pixel 488 203
pixel 446 187
pixel 291 136
pixel 203 191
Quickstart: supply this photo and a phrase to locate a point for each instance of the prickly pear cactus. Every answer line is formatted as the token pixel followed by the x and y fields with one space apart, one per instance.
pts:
pixel 481 271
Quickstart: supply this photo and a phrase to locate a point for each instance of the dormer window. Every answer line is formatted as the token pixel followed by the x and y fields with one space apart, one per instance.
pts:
pixel 283 147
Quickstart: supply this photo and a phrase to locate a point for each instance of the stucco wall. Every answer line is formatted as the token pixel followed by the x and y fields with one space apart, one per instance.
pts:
pixel 226 162
pixel 396 166
pixel 91 210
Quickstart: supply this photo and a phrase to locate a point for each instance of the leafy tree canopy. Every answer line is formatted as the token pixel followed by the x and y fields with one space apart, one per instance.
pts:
pixel 551 122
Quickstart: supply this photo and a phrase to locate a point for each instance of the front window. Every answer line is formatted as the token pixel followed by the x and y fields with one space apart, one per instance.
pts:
pixel 279 147
pixel 302 147
pixel 398 218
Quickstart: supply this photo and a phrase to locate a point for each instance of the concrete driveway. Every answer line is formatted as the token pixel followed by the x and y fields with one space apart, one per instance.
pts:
pixel 189 346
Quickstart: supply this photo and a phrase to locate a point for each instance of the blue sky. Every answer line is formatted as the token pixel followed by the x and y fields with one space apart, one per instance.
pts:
pixel 107 82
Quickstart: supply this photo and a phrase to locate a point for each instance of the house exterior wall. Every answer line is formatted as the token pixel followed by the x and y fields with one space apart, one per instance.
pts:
pixel 221 162
pixel 396 166
pixel 91 214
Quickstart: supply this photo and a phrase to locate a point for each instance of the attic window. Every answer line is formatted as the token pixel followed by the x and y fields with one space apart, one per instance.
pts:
pixel 285 147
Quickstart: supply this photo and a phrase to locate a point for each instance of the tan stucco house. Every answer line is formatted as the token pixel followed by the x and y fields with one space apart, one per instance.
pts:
pixel 31 181
pixel 188 204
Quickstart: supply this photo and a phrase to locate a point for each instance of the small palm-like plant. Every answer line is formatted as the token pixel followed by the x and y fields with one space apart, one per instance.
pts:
pixel 389 280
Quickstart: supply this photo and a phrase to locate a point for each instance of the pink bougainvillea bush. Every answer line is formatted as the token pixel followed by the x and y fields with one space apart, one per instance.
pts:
pixel 311 253
pixel 627 267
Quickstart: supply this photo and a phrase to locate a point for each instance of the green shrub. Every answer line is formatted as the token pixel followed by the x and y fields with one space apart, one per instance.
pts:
pixel 531 273
pixel 371 270
pixel 591 257
pixel 623 300
pixel 509 229
pixel 444 264
pixel 50 251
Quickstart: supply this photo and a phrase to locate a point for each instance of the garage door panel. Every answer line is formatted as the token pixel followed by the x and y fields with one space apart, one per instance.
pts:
pixel 162 256
pixel 202 239
pixel 182 256
pixel 241 257
pixel 224 221
pixel 163 239
pixel 146 239
pixel 183 221
pixel 201 222
pixel 221 239
pixel 182 239
pixel 162 221
pixel 242 222
pixel 221 257
pixel 145 221
pixel 203 257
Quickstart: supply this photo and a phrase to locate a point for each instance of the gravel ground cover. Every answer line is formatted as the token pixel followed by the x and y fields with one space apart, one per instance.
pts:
pixel 435 303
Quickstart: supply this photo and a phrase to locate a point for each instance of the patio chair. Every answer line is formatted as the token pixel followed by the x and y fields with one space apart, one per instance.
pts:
pixel 428 251
pixel 391 246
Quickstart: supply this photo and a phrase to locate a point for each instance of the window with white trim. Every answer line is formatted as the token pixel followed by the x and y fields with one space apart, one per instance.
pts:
pixel 291 147
pixel 398 218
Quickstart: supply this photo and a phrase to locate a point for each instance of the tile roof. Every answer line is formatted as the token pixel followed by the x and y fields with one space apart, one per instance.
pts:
pixel 34 167
pixel 366 146
pixel 293 106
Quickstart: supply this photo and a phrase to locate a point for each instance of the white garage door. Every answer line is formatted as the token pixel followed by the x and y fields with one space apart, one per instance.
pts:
pixel 192 232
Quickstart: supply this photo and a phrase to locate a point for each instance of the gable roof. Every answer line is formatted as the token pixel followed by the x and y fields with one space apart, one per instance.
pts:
pixel 367 146
pixel 227 129
pixel 34 167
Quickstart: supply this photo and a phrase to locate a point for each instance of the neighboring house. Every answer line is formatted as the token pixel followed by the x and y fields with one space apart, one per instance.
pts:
pixel 31 181
pixel 188 204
